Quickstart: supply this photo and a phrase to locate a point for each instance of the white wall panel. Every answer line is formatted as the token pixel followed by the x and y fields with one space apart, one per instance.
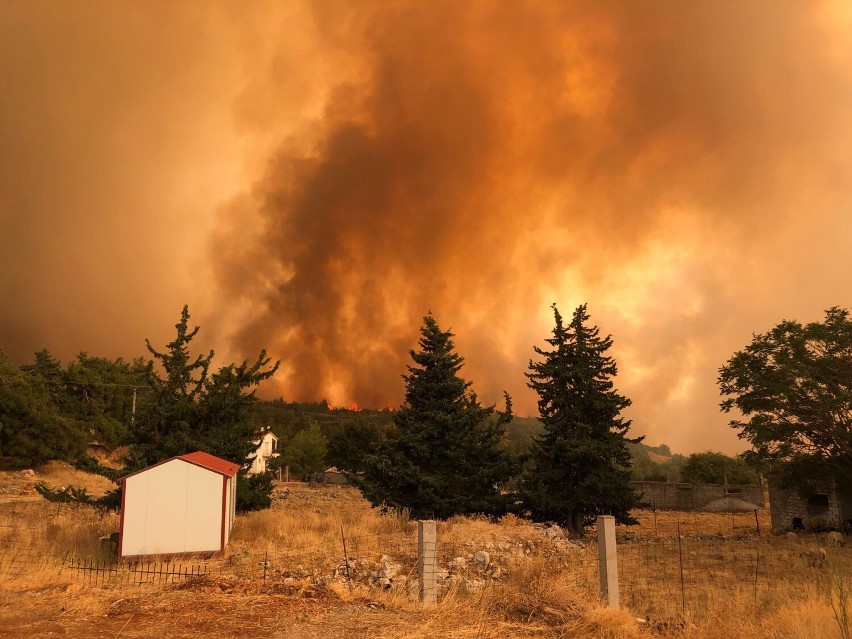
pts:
pixel 175 507
pixel 203 510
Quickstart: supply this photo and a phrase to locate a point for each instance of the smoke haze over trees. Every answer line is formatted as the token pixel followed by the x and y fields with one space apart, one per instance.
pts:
pixel 329 174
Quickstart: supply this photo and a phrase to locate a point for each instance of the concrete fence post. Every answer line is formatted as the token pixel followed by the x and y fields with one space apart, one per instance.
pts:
pixel 608 559
pixel 427 542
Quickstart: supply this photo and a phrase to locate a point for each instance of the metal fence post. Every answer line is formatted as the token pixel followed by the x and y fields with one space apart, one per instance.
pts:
pixel 427 542
pixel 607 558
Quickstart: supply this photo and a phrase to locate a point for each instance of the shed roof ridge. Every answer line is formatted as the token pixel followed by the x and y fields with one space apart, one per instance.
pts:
pixel 197 458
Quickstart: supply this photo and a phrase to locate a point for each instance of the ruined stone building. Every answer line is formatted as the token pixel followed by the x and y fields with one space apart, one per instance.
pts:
pixel 822 505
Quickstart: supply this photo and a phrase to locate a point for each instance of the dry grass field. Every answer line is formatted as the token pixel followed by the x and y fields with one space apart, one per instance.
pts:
pixel 285 576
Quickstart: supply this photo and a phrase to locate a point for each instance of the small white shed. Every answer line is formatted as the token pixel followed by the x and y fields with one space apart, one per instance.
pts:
pixel 183 505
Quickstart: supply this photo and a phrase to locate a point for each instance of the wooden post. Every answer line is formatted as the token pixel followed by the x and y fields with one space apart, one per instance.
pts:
pixel 286 474
pixel 427 543
pixel 680 564
pixel 608 559
pixel 346 559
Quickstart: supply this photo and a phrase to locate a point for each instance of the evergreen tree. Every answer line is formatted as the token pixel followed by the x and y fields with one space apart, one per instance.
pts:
pixel 191 409
pixel 443 457
pixel 99 395
pixel 581 462
pixel 32 430
pixel 352 442
pixel 48 370
pixel 305 453
pixel 171 424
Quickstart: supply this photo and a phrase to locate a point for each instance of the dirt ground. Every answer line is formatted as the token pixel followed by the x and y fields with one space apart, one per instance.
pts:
pixel 98 614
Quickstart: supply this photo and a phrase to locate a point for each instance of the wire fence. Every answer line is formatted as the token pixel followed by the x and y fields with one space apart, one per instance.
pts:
pixel 685 569
pixel 357 558
pixel 102 572
pixel 697 574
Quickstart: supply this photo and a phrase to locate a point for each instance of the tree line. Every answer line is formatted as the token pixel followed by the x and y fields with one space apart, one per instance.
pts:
pixel 176 403
pixel 442 452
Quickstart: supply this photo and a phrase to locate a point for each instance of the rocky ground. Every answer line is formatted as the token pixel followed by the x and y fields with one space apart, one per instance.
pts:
pixel 16 484
pixel 497 579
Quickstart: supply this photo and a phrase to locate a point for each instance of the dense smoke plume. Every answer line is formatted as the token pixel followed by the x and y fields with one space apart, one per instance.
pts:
pixel 483 160
pixel 682 167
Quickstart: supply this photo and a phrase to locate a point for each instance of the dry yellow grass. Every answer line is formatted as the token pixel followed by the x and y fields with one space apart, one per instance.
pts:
pixel 55 474
pixel 546 590
pixel 664 523
pixel 59 475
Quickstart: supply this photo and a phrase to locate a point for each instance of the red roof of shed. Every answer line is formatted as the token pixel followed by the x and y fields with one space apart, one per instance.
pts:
pixel 205 460
pixel 221 466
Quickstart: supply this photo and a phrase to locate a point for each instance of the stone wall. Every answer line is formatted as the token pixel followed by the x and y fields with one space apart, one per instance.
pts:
pixel 333 477
pixel 670 496
pixel 790 511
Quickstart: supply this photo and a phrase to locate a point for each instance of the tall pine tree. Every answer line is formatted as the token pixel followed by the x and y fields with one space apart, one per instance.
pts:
pixel 443 458
pixel 581 463
pixel 191 409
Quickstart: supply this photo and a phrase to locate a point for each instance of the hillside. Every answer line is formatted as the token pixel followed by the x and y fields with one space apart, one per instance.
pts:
pixel 650 463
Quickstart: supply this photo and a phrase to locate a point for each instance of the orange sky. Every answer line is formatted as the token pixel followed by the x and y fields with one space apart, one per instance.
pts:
pixel 313 177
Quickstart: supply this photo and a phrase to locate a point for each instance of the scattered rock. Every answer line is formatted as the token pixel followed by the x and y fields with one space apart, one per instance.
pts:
pixel 482 559
pixel 413 589
pixel 792 536
pixel 29 472
pixel 554 532
pixel 814 558
pixel 836 538
pixel 389 570
pixel 472 586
